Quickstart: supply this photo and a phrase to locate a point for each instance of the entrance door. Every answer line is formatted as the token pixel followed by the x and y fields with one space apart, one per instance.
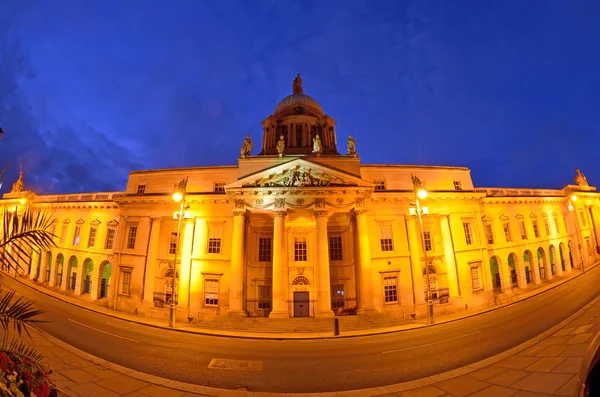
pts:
pixel 301 304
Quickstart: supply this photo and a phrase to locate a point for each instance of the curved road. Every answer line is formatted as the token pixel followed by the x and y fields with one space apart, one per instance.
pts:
pixel 312 365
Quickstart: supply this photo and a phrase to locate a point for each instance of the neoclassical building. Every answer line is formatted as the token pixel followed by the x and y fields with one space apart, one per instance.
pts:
pixel 302 230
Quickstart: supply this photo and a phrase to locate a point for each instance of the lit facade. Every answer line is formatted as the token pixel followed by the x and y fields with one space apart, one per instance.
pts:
pixel 300 230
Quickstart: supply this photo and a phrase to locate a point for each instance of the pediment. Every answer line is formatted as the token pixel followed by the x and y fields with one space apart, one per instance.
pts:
pixel 80 222
pixel 487 218
pixel 519 216
pixel 95 222
pixel 300 173
pixel 112 223
pixel 544 215
pixel 504 217
pixel 533 216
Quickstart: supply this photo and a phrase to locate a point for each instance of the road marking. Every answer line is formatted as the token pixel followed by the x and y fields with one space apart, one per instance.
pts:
pixel 104 332
pixel 137 330
pixel 429 344
pixel 236 365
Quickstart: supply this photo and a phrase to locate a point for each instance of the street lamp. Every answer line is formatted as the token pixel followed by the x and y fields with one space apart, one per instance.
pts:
pixel 573 199
pixel 178 197
pixel 421 193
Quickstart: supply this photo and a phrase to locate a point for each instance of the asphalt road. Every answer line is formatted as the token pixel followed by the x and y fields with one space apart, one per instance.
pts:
pixel 311 365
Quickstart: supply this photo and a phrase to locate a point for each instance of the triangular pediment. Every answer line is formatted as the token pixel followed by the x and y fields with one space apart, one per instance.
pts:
pixel 504 218
pixel 300 173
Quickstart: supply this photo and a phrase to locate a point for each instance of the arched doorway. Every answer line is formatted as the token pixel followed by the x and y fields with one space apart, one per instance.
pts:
pixel 72 273
pixel 561 248
pixel 48 266
pixel 88 268
pixel 552 252
pixel 433 285
pixel 495 272
pixel 105 272
pixel 528 267
pixel 543 265
pixel 60 265
pixel 38 266
pixel 570 245
pixel 514 270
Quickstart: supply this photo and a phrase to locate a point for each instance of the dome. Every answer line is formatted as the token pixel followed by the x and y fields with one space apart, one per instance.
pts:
pixel 298 99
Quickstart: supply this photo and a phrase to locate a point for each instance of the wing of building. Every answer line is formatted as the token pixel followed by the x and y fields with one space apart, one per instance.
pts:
pixel 302 230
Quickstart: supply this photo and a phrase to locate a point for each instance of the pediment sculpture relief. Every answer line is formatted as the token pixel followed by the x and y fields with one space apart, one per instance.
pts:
pixel 301 177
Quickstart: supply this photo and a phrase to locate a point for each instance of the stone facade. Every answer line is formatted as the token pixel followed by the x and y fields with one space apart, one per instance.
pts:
pixel 310 234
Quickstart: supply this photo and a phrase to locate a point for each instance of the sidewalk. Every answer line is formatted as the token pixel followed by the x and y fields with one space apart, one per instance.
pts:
pixel 542 367
pixel 439 319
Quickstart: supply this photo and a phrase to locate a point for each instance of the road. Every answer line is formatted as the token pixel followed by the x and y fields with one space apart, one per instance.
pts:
pixel 311 365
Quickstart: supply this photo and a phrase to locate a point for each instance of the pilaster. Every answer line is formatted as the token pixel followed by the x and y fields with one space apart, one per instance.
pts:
pixel 150 276
pixel 236 287
pixel 322 266
pixel 280 276
pixel 449 256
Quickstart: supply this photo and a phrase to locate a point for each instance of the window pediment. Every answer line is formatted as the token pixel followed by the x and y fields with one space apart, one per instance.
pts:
pixel 95 222
pixel 519 217
pixel 112 223
pixel 487 218
pixel 67 221
pixel 554 213
pixel 533 216
pixel 544 215
pixel 504 218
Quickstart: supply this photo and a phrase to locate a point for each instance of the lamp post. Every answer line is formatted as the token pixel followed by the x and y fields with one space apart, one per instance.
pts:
pixel 178 197
pixel 421 193
pixel 574 198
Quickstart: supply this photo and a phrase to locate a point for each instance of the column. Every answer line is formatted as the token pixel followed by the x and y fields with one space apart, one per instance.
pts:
pixel 322 267
pixel 505 283
pixel 236 283
pixel 95 281
pixel 306 135
pixel 53 271
pixel 535 268
pixel 558 263
pixel 280 276
pixel 35 256
pixel 365 279
pixel 43 267
pixel 449 256
pixel 415 261
pixel 150 275
pixel 80 275
pixel 186 260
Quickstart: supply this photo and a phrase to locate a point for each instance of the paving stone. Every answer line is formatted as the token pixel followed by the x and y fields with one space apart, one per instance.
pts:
pixel 122 384
pixel 196 395
pixel 522 393
pixel 581 338
pixel 555 340
pixel 93 390
pixel 552 351
pixel 136 394
pixel 508 377
pixel 575 350
pixel 159 391
pixel 494 391
pixel 517 362
pixel 542 382
pixel 532 351
pixel 546 364
pixel 569 388
pixel 462 386
pixel 427 391
pixel 75 362
pixel 78 376
pixel 564 331
pixel 487 372
pixel 583 329
pixel 101 372
pixel 64 383
pixel 571 365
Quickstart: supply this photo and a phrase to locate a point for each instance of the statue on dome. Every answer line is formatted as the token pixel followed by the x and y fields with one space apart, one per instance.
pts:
pixel 317 147
pixel 280 146
pixel 297 89
pixel 352 146
pixel 18 186
pixel 246 147
pixel 580 179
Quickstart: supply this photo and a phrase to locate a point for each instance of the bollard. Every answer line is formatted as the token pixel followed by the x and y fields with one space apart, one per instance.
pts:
pixel 336 326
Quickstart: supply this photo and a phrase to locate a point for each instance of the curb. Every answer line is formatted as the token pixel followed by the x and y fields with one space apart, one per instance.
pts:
pixel 395 388
pixel 381 331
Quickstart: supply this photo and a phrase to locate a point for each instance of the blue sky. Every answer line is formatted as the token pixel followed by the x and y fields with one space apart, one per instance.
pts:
pixel 90 90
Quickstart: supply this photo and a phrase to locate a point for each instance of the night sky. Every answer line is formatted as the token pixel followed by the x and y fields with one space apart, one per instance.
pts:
pixel 90 90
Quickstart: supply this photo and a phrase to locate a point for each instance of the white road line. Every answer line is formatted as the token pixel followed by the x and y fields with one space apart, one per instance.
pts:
pixel 104 332
pixel 429 344
pixel 137 330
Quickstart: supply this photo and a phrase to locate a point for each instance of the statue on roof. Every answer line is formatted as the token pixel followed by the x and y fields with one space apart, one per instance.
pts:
pixel 580 179
pixel 417 184
pixel 280 146
pixel 352 146
pixel 317 147
pixel 298 85
pixel 18 186
pixel 246 147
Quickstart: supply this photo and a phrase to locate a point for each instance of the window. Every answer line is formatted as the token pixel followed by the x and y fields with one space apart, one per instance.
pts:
pixel 507 234
pixel 131 237
pixel 337 296
pixel 173 238
pixel 390 289
pixel 53 229
pixel 458 185
pixel 63 232
pixel 219 187
pixel 92 238
pixel 556 224
pixel 76 236
pixel 489 233
pixel 264 249
pixel 300 249
pixel 582 217
pixel 214 239
pixel 141 189
pixel 468 234
pixel 386 238
pixel 536 231
pixel 335 248
pixel 427 239
pixel 125 281
pixel 380 184
pixel 523 230
pixel 110 238
pixel 547 226
pixel 264 296
pixel 475 278
pixel 211 292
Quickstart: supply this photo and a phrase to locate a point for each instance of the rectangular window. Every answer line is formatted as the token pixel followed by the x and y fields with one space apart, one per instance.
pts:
pixel 219 187
pixel 211 292
pixel 264 297
pixel 63 232
pixel 536 231
pixel 582 217
pixel 125 281
pixel 76 236
pixel 264 249
pixel 335 248
pixel 300 249
pixel 390 289
pixel 92 238
pixel 380 184
pixel 468 234
pixel 110 238
pixel 489 233
pixel 173 238
pixel 523 230
pixel 214 239
pixel 427 240
pixel 475 278
pixel 337 296
pixel 458 185
pixel 386 237
pixel 547 226
pixel 556 224
pixel 131 237
pixel 53 229
pixel 141 189
pixel 507 234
